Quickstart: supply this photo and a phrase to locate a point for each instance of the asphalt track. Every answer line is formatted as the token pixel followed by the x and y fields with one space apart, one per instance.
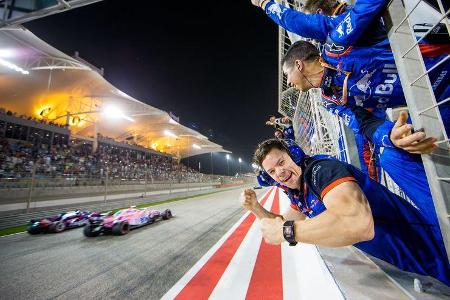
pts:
pixel 143 264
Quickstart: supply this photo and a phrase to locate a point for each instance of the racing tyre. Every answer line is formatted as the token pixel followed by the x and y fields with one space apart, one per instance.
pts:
pixel 34 229
pixel 167 214
pixel 121 228
pixel 91 231
pixel 57 227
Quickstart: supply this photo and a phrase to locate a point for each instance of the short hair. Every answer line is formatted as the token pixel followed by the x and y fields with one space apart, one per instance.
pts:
pixel 265 147
pixel 327 6
pixel 301 50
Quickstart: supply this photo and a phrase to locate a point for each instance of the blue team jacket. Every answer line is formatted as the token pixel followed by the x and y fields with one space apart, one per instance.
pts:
pixel 407 234
pixel 363 68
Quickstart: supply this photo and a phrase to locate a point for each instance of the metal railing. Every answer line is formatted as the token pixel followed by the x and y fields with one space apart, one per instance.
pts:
pixel 422 104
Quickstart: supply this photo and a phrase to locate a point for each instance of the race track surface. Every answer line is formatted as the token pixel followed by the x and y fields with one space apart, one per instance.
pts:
pixel 143 264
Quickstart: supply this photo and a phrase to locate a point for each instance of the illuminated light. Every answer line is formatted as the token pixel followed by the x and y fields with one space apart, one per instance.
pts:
pixel 75 120
pixel 240 160
pixel 13 67
pixel 168 133
pixel 6 53
pixel 228 156
pixel 195 146
pixel 44 112
pixel 115 113
pixel 255 166
pixel 172 121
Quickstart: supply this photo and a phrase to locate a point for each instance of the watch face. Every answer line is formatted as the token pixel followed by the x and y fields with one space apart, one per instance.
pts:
pixel 288 231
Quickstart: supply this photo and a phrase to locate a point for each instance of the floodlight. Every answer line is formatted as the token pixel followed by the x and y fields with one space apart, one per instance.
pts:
pixel 168 133
pixel 240 160
pixel 228 156
pixel 13 66
pixel 6 53
pixel 115 113
pixel 195 146
pixel 255 166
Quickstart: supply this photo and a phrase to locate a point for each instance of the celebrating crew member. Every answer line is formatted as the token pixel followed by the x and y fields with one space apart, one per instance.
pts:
pixel 334 204
pixel 356 66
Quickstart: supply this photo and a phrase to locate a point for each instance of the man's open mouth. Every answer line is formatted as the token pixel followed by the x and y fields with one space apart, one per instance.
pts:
pixel 287 179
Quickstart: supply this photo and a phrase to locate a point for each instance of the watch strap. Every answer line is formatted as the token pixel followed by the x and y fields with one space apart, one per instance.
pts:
pixel 289 232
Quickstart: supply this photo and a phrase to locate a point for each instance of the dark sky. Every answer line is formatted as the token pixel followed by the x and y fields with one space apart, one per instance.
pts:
pixel 212 63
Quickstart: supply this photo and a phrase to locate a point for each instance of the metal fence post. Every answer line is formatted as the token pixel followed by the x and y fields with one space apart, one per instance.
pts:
pixel 146 179
pixel 106 186
pixel 33 175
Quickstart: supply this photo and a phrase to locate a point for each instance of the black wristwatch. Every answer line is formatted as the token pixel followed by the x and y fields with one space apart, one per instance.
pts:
pixel 289 232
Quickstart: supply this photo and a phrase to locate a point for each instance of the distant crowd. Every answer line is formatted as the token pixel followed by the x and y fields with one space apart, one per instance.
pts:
pixel 25 149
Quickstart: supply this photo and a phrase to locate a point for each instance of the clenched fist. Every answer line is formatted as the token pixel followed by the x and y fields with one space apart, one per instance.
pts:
pixel 248 199
pixel 272 230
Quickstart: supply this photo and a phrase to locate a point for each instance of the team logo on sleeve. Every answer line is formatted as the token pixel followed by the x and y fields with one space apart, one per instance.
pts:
pixel 277 9
pixel 314 175
pixel 345 27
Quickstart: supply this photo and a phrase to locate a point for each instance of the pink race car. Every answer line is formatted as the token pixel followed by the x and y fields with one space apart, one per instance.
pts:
pixel 124 220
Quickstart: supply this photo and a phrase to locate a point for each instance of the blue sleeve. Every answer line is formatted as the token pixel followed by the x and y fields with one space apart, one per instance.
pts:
pixel 312 26
pixel 357 20
pixel 361 121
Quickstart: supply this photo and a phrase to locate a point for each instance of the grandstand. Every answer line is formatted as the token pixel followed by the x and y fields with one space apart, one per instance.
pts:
pixel 63 125
pixel 58 89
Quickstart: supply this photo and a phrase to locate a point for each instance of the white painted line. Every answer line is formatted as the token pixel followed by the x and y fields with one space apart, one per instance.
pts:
pixel 235 280
pixel 22 232
pixel 305 275
pixel 176 289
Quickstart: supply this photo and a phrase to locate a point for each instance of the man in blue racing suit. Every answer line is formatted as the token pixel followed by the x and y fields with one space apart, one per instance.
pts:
pixel 356 48
pixel 333 204
pixel 356 66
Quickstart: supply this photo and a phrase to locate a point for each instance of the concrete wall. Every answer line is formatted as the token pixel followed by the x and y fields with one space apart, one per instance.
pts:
pixel 21 194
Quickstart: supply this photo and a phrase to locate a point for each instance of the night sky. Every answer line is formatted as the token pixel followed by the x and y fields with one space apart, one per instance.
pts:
pixel 212 63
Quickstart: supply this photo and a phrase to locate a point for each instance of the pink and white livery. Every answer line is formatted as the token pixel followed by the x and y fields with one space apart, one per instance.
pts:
pixel 124 220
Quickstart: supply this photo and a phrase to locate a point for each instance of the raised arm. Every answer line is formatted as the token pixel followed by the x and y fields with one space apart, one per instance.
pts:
pixel 347 218
pixel 312 26
pixel 355 22
pixel 249 201
pixel 345 29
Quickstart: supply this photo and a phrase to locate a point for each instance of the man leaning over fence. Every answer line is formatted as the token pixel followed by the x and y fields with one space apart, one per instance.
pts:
pixel 356 66
pixel 333 204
